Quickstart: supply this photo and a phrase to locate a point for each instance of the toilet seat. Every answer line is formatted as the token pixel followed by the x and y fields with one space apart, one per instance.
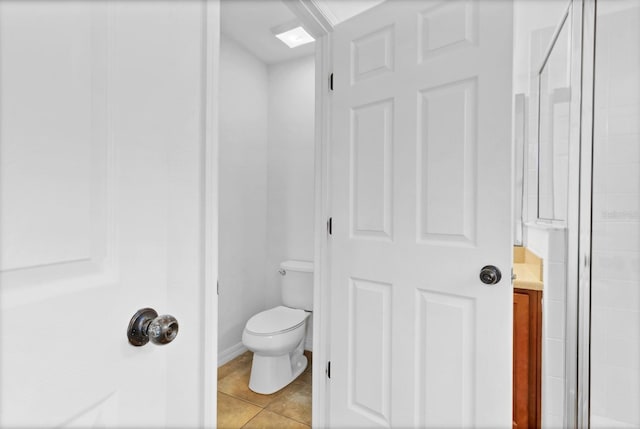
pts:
pixel 277 320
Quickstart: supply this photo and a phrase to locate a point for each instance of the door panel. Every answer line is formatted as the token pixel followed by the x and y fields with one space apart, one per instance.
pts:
pixel 446 154
pixel 371 170
pixel 57 187
pixel 370 358
pixel 101 192
pixel 445 324
pixel 420 200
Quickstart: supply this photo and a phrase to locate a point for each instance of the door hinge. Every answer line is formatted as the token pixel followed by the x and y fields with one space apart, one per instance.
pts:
pixel 329 369
pixel 331 82
pixel 330 226
pixel 217 287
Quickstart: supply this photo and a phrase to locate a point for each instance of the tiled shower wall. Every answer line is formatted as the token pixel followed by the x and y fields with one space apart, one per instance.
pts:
pixel 615 336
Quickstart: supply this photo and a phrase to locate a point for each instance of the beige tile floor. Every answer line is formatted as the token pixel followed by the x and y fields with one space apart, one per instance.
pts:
pixel 239 407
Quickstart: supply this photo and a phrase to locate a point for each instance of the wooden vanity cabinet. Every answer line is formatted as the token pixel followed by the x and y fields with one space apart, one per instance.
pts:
pixel 527 362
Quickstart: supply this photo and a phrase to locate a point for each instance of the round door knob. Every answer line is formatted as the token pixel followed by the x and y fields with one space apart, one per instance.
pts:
pixel 490 275
pixel 163 329
pixel 146 325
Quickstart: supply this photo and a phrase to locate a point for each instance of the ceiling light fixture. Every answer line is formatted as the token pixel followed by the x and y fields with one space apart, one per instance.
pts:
pixel 292 34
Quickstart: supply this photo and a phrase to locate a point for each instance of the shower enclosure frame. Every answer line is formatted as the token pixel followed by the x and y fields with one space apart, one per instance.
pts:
pixel 585 228
pixel 580 15
pixel 578 311
pixel 574 390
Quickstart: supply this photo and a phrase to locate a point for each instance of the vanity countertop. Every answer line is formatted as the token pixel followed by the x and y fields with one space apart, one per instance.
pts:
pixel 528 269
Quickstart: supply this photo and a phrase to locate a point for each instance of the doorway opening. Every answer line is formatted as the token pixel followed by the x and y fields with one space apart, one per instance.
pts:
pixel 266 217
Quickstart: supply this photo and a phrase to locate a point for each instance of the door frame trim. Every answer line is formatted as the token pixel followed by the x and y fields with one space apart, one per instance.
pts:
pixel 321 290
pixel 209 211
pixel 320 27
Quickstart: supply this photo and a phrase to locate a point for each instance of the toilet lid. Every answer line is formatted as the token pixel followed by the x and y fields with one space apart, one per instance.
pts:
pixel 276 320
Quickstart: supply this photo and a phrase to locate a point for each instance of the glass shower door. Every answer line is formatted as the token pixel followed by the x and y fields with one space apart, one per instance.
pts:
pixel 615 241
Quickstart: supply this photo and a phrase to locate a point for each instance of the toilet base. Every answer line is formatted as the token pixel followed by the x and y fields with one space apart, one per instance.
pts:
pixel 271 373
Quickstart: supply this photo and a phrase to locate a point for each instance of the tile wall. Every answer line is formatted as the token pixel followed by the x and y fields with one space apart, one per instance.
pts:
pixel 550 244
pixel 615 336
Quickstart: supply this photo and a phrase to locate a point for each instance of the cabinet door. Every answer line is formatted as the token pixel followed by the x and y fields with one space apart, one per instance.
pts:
pixel 527 317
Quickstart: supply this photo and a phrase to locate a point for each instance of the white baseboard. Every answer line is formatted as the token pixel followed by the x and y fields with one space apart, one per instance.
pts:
pixel 228 354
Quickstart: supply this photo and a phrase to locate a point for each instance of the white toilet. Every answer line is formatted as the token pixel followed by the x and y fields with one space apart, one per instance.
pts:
pixel 276 336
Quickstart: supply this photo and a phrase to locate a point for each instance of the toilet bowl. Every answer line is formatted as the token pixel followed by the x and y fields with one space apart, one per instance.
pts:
pixel 276 338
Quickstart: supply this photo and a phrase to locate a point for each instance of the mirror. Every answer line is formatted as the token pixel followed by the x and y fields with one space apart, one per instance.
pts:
pixel 554 99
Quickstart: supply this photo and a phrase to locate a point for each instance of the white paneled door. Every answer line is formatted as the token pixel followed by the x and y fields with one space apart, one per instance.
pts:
pixel 101 201
pixel 421 201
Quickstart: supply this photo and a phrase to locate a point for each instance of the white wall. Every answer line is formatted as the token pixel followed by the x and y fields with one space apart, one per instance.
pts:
pixel 243 191
pixel 615 311
pixel 290 210
pixel 266 182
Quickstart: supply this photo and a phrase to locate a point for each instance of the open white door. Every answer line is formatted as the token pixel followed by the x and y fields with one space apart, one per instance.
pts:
pixel 102 192
pixel 421 201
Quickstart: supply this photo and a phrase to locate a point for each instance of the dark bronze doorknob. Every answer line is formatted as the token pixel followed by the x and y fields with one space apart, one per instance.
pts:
pixel 146 325
pixel 490 275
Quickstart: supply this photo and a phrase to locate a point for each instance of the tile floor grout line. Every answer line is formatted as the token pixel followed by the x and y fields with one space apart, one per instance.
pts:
pixel 245 425
pixel 288 418
pixel 241 399
pixel 241 365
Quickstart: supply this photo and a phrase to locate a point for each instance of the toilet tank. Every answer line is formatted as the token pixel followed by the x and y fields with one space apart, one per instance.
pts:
pixel 296 279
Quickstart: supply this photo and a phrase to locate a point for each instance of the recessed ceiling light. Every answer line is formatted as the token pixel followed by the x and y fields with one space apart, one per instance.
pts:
pixel 295 37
